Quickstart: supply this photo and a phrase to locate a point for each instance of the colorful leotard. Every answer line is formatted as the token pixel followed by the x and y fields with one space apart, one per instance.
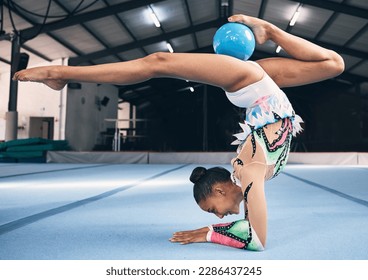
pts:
pixel 239 234
pixel 265 104
pixel 276 152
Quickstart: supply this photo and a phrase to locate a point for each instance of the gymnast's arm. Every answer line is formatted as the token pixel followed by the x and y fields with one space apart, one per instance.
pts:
pixel 252 178
pixel 251 232
pixel 248 233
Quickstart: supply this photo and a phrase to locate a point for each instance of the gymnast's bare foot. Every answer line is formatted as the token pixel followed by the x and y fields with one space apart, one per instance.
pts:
pixel 259 27
pixel 47 75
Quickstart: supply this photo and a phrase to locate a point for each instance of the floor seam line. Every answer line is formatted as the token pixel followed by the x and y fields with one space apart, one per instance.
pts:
pixel 335 192
pixel 51 171
pixel 11 226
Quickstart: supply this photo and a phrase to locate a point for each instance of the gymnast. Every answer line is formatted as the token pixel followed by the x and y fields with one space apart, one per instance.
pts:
pixel 269 125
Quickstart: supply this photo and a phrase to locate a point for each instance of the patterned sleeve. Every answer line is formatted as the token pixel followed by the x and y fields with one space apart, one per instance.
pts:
pixel 239 234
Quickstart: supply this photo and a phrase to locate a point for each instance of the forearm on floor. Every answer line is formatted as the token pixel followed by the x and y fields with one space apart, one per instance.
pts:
pixel 238 234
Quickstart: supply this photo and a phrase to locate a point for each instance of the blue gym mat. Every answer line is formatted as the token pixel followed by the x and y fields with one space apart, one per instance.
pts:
pixel 128 212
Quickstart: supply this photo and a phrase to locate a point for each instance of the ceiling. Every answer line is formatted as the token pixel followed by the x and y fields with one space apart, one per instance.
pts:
pixel 102 31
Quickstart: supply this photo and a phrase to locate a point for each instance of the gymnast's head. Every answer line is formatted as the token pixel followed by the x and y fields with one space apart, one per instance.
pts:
pixel 215 192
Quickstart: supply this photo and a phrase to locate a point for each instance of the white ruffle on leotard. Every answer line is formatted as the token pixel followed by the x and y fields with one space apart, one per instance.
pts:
pixel 265 103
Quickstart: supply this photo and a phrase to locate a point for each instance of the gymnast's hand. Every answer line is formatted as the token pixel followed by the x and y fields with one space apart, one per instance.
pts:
pixel 237 164
pixel 190 236
pixel 259 27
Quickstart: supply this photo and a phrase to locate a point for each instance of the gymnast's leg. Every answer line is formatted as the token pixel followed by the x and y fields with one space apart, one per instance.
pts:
pixel 223 71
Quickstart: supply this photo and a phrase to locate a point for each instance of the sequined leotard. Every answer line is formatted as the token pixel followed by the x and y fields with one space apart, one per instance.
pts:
pixel 265 104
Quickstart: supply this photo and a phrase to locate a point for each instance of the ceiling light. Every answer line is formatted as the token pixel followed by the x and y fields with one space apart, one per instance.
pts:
pixel 169 47
pixel 295 16
pixel 155 19
pixel 224 3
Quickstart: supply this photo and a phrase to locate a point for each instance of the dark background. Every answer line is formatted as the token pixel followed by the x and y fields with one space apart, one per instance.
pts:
pixel 335 115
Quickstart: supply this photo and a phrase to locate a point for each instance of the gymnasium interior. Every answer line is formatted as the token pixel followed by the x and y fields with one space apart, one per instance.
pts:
pixel 101 171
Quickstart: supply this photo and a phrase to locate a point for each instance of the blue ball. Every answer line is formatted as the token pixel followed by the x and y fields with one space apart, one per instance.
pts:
pixel 234 39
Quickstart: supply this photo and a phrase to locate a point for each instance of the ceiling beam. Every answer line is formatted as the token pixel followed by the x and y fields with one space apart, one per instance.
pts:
pixel 357 35
pixel 187 9
pixel 342 50
pixel 124 26
pixel 338 49
pixel 5 61
pixel 37 53
pixel 88 16
pixel 262 9
pixel 98 39
pixel 33 51
pixel 162 37
pixel 337 7
pixel 60 41
pixel 344 76
pixel 231 7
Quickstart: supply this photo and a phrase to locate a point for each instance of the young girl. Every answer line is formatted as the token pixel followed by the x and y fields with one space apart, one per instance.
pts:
pixel 268 128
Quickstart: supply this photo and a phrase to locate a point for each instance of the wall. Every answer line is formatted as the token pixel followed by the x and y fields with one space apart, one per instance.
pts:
pixel 199 158
pixel 85 119
pixel 34 100
pixel 80 123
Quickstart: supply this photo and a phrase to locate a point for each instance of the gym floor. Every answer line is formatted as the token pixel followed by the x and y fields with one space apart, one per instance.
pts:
pixel 128 212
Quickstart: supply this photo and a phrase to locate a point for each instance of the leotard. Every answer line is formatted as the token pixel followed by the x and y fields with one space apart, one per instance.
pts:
pixel 265 104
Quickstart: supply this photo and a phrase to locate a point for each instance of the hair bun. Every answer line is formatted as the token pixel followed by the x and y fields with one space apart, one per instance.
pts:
pixel 197 174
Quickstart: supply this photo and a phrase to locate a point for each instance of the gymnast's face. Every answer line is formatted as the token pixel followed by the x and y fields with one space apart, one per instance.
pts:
pixel 224 200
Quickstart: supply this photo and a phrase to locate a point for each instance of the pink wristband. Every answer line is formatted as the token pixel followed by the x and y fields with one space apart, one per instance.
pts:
pixel 225 240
